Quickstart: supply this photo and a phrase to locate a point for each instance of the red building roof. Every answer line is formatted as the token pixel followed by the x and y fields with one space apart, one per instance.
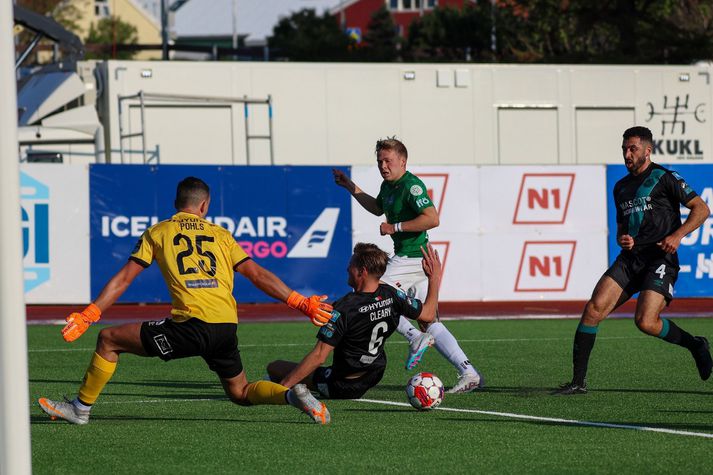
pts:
pixel 355 15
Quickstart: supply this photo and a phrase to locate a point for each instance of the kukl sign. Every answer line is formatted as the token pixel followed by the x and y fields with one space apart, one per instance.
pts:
pixel 677 136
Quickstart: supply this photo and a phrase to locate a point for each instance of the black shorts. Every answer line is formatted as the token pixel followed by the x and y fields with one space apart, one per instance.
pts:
pixel 656 271
pixel 216 343
pixel 342 388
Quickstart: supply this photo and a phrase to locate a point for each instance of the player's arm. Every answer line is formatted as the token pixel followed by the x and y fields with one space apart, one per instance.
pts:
pixel 428 219
pixel 697 216
pixel 309 364
pixel 431 264
pixel 117 285
pixel 367 201
pixel 77 323
pixel 625 241
pixel 314 306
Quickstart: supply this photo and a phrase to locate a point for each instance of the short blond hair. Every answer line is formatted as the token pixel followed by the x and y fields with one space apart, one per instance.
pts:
pixel 392 143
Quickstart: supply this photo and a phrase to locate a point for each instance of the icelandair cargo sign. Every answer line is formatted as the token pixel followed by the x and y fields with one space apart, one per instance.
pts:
pixel 289 219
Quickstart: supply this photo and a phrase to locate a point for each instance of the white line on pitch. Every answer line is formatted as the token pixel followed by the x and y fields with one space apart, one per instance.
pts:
pixel 573 422
pixel 399 342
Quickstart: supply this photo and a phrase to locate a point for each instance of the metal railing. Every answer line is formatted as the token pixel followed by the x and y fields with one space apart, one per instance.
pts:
pixel 143 97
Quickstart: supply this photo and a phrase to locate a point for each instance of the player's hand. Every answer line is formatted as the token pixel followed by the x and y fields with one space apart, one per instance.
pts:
pixel 431 263
pixel 341 179
pixel 626 242
pixel 386 229
pixel 314 307
pixel 669 244
pixel 77 323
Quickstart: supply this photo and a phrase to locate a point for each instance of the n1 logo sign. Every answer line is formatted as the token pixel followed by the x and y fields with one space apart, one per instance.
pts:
pixel 543 198
pixel 436 184
pixel 442 247
pixel 545 266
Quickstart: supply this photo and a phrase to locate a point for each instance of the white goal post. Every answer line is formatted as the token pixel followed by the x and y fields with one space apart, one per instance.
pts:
pixel 14 392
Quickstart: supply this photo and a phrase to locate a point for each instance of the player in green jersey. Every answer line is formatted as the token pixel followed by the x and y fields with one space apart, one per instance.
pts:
pixel 409 214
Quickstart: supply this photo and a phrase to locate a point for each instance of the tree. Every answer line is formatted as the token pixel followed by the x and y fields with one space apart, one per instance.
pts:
pixel 65 13
pixel 109 32
pixel 306 36
pixel 610 31
pixel 450 34
pixel 381 41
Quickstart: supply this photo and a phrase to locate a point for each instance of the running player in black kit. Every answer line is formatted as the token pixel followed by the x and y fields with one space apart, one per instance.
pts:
pixel 649 231
pixel 361 322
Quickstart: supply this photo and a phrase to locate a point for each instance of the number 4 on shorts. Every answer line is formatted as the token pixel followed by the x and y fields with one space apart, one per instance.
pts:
pixel 661 271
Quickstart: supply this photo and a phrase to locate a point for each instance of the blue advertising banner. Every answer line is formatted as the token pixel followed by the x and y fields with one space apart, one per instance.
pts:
pixel 291 220
pixel 695 253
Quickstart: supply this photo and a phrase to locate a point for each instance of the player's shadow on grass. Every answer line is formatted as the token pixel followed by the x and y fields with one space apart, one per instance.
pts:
pixel 372 410
pixel 673 411
pixel 129 419
pixel 212 396
pixel 516 391
pixel 534 391
pixel 145 383
pixel 527 391
pixel 652 391
pixel 631 425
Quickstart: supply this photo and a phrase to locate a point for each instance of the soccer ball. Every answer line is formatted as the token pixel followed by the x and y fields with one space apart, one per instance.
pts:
pixel 424 391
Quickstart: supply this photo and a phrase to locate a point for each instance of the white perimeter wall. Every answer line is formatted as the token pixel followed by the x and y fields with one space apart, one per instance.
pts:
pixel 447 114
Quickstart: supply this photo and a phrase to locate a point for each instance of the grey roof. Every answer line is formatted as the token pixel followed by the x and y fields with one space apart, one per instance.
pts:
pixel 255 18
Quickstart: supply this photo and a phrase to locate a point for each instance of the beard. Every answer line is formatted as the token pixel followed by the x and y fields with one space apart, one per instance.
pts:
pixel 637 163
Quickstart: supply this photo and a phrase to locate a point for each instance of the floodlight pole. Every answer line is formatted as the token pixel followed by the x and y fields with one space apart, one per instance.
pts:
pixel 235 27
pixel 493 28
pixel 164 30
pixel 14 393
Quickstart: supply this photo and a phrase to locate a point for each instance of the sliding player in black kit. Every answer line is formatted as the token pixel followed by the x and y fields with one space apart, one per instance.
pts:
pixel 361 322
pixel 649 231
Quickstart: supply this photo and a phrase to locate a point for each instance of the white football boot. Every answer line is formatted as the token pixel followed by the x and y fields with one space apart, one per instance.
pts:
pixel 417 348
pixel 309 404
pixel 64 410
pixel 466 383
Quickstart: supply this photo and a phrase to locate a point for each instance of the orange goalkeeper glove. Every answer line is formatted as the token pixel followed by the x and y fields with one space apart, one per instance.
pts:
pixel 314 307
pixel 77 323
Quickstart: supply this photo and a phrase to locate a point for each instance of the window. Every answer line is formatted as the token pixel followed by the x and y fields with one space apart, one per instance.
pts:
pixel 411 5
pixel 101 8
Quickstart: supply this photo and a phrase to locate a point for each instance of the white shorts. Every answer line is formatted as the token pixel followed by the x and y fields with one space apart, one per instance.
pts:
pixel 406 273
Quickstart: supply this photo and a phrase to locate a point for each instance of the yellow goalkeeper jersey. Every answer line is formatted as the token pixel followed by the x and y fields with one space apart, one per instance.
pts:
pixel 198 260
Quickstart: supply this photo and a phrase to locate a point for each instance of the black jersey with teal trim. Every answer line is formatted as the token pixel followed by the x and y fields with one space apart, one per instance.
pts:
pixel 648 205
pixel 361 322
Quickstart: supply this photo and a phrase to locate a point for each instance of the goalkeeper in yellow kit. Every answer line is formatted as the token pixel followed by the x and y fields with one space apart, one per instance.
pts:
pixel 197 260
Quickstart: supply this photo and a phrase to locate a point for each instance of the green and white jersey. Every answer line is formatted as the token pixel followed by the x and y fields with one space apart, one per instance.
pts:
pixel 401 201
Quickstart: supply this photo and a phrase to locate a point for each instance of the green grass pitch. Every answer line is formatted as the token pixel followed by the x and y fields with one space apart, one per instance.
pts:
pixel 173 418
